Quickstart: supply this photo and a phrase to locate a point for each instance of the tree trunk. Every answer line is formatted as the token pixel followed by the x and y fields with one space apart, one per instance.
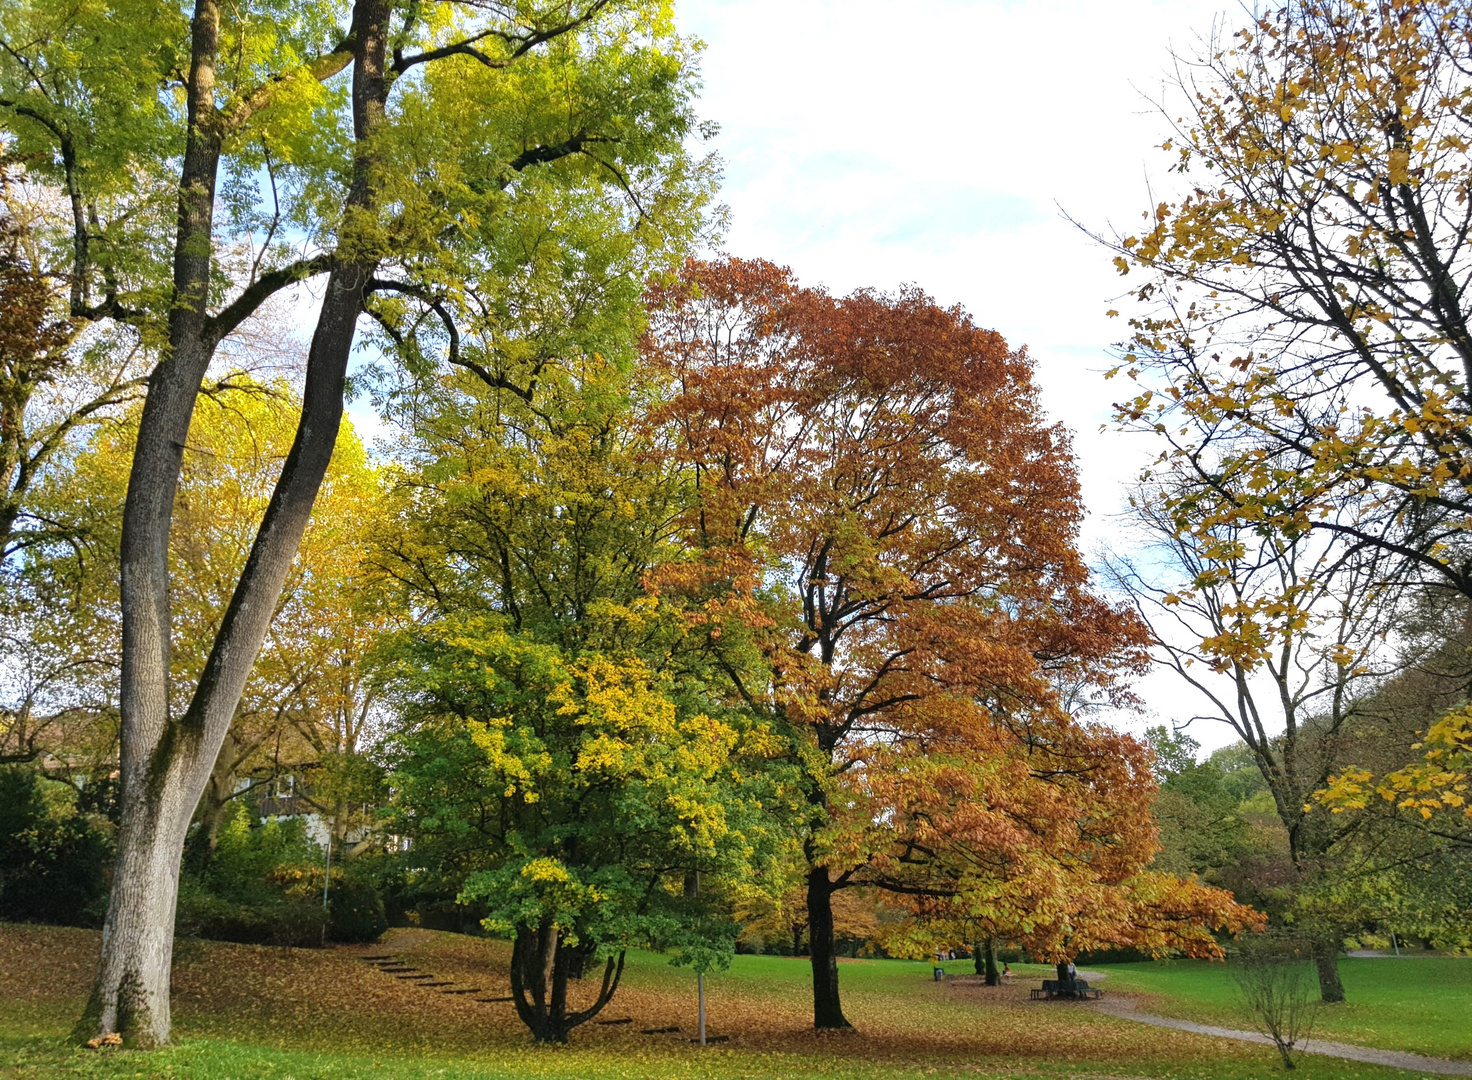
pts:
pixel 1326 958
pixel 993 975
pixel 540 968
pixel 131 995
pixel 214 805
pixel 977 960
pixel 827 1009
pixel 165 760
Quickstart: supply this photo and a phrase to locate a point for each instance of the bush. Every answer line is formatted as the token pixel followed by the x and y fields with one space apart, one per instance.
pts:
pixel 283 921
pixel 53 858
pixel 450 915
pixel 356 913
pixel 263 885
pixel 1275 972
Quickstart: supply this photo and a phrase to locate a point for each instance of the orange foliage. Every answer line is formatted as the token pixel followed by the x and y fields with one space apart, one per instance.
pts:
pixel 883 520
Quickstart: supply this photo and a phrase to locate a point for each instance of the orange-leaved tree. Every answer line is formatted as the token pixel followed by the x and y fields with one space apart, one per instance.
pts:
pixel 884 521
pixel 1045 841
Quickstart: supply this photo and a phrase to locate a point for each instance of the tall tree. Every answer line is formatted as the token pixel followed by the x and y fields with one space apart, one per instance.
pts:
pixel 1279 637
pixel 294 711
pixel 449 118
pixel 884 519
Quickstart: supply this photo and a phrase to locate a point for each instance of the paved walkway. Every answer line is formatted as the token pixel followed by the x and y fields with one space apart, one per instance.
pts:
pixel 1398 1059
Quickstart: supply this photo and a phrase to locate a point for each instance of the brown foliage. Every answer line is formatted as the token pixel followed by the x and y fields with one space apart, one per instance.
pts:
pixel 883 519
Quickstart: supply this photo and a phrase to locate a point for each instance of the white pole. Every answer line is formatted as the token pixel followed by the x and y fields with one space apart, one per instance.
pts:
pixel 1394 944
pixel 326 877
pixel 700 978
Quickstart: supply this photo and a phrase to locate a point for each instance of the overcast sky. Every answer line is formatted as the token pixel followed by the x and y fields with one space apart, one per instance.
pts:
pixel 878 142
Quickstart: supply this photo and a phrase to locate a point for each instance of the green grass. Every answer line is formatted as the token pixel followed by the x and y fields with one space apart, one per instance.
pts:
pixel 243 1013
pixel 1422 1004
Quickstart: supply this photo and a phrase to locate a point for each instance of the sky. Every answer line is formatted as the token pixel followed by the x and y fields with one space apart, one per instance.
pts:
pixel 941 143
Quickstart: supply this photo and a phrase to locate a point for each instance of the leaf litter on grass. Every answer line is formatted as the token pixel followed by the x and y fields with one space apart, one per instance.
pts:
pixel 325 1005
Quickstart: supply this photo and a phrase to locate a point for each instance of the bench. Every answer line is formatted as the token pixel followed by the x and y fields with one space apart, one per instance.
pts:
pixel 1066 988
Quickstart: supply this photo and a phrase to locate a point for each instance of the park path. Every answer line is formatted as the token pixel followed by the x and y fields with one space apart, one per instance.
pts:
pixel 1397 1059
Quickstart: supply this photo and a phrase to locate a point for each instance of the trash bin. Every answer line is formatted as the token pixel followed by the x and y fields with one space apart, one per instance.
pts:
pixel 940 973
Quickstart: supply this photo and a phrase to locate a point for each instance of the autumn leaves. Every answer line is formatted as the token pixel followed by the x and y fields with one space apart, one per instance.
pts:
pixel 882 519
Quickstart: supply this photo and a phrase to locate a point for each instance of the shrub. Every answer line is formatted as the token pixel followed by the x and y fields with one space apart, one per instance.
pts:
pixel 53 858
pixel 357 915
pixel 1277 979
pixel 282 921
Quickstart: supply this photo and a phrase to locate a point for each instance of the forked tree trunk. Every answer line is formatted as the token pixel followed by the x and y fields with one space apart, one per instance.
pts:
pixel 1326 959
pixel 165 760
pixel 541 965
pixel 827 1009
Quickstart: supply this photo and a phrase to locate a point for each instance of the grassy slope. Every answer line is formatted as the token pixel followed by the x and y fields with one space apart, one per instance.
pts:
pixel 243 1012
pixel 1421 1004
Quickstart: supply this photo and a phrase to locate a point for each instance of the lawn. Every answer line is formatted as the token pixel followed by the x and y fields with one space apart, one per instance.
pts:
pixel 287 1014
pixel 1410 1003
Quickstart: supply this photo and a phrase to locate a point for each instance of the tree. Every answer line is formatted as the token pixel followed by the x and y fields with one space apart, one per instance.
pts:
pixel 305 700
pixel 1047 842
pixel 602 795
pixel 562 762
pixel 1303 344
pixel 1304 348
pixel 1272 974
pixel 881 518
pixel 418 173
pixel 1279 635
pixel 1203 829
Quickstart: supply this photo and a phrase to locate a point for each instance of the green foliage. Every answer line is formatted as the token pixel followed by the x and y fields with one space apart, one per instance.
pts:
pixel 249 855
pixel 281 921
pixel 53 857
pixel 572 788
pixel 564 759
pixel 263 884
pixel 1203 829
pixel 356 912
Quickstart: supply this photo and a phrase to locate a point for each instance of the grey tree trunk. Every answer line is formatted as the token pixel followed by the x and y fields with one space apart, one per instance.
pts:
pixel 166 760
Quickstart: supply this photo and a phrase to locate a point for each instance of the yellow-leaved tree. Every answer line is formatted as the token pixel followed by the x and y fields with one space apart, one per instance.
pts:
pixel 307 702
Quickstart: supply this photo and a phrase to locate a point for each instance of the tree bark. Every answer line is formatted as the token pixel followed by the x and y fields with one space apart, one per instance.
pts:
pixel 165 761
pixel 827 1009
pixel 540 968
pixel 1326 959
pixel 993 976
